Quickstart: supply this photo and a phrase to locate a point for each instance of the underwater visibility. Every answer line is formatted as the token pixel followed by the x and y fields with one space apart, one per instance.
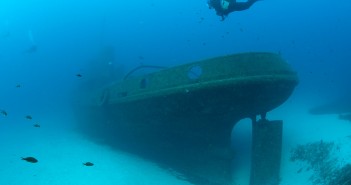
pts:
pixel 207 92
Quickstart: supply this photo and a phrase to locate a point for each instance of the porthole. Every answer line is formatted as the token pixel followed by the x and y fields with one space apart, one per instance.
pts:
pixel 195 72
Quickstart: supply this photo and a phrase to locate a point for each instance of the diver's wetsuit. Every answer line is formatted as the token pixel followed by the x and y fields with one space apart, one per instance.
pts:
pixel 232 6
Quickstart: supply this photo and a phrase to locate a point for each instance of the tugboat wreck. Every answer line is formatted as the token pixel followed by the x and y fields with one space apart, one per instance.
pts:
pixel 182 117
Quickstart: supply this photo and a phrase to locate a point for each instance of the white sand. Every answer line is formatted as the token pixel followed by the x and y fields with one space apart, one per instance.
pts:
pixel 61 153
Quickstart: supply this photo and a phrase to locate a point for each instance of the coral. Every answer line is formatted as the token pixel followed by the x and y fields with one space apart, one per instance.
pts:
pixel 320 157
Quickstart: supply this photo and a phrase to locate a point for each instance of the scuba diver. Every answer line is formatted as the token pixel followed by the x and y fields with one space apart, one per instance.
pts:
pixel 224 7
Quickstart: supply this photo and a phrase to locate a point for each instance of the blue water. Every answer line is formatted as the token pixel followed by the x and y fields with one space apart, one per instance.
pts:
pixel 313 36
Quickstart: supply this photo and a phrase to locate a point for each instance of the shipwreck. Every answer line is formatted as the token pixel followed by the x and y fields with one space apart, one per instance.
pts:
pixel 182 117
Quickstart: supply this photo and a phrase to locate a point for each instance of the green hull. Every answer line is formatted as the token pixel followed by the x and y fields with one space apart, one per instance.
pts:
pixel 182 117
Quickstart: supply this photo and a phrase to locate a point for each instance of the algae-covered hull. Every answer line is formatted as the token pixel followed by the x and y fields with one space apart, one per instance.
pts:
pixel 182 117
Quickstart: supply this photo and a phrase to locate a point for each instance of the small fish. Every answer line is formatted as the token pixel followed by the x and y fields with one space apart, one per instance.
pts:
pixel 300 170
pixel 88 164
pixel 36 125
pixel 78 75
pixel 29 117
pixel 3 112
pixel 18 85
pixel 30 159
pixel 201 20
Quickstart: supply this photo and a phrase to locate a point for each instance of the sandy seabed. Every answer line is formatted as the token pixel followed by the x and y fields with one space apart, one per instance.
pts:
pixel 61 153
pixel 300 128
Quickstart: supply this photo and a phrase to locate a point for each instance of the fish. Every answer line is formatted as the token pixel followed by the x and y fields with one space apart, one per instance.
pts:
pixel 88 164
pixel 3 112
pixel 18 85
pixel 78 75
pixel 30 159
pixel 29 117
pixel 36 125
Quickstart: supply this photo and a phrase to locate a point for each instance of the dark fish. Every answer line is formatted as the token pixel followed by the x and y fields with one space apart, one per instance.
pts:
pixel 18 85
pixel 201 20
pixel 88 164
pixel 30 159
pixel 36 125
pixel 3 112
pixel 29 117
pixel 78 75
